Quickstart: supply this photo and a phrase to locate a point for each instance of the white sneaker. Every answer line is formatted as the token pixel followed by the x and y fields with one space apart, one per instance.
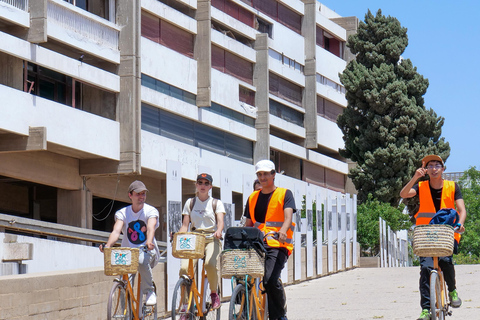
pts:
pixel 151 298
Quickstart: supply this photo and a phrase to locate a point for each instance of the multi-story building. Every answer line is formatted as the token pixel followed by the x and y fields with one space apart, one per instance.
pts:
pixel 97 93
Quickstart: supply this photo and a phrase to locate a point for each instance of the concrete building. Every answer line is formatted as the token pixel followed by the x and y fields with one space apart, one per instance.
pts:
pixel 98 93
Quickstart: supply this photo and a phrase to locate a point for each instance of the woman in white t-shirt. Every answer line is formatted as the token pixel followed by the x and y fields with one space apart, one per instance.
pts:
pixel 209 221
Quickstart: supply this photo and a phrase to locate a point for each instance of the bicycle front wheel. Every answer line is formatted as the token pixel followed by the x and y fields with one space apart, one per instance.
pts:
pixel 180 307
pixel 119 306
pixel 238 309
pixel 437 301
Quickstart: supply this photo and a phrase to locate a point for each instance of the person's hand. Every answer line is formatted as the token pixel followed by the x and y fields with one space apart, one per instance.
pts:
pixel 101 246
pixel 149 245
pixel 218 234
pixel 282 236
pixel 421 172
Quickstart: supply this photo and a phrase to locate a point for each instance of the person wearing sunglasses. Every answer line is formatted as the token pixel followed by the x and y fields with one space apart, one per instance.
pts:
pixel 435 194
pixel 205 214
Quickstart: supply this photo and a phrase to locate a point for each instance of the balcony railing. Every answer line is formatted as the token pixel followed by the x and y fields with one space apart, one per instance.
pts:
pixel 81 23
pixel 20 4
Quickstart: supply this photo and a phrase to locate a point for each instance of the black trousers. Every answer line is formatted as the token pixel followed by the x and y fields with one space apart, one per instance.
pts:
pixel 275 260
pixel 426 265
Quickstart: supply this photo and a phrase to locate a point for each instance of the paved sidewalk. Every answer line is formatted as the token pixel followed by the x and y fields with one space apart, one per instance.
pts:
pixel 374 293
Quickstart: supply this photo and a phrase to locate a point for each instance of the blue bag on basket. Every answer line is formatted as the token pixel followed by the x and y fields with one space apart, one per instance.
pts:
pixel 446 216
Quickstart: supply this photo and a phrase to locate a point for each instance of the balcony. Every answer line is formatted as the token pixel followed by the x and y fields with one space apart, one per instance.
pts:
pixel 83 30
pixel 15 12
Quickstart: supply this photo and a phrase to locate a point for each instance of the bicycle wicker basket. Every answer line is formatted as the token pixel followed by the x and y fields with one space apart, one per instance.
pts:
pixel 188 245
pixel 120 260
pixel 433 240
pixel 240 262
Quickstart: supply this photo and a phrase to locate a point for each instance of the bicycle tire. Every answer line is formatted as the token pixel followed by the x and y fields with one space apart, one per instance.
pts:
pixel 437 301
pixel 150 312
pixel 119 303
pixel 237 309
pixel 208 312
pixel 180 299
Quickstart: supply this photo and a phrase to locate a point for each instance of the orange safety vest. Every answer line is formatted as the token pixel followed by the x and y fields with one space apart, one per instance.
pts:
pixel 273 219
pixel 427 208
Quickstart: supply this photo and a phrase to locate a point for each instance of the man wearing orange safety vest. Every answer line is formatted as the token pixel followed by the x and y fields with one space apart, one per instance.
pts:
pixel 271 209
pixel 435 194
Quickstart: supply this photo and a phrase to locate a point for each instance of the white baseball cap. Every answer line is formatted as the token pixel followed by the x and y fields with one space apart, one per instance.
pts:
pixel 264 165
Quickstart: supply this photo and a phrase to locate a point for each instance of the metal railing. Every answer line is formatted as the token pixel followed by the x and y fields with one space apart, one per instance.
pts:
pixel 20 4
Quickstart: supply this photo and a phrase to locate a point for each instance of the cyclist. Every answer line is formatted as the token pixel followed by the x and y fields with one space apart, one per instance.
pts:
pixel 435 194
pixel 271 209
pixel 138 223
pixel 206 215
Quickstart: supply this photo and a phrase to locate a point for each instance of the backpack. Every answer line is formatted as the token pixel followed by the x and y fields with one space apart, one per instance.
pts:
pixel 244 238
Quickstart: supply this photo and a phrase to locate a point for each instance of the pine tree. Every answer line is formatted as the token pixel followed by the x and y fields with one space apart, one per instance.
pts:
pixel 387 129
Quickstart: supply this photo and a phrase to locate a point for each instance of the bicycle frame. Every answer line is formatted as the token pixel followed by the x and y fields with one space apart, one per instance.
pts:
pixel 130 295
pixel 255 297
pixel 194 295
pixel 442 305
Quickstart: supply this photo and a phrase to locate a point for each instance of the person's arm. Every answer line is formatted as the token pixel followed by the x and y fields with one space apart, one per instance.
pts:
pixel 151 224
pixel 248 222
pixel 462 213
pixel 287 224
pixel 185 223
pixel 117 230
pixel 408 191
pixel 220 225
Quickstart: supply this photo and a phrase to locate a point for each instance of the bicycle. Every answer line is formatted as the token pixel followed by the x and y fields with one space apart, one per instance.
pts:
pixel 249 299
pixel 122 301
pixel 436 241
pixel 190 301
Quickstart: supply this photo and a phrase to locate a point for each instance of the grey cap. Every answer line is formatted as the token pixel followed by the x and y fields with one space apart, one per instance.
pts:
pixel 137 186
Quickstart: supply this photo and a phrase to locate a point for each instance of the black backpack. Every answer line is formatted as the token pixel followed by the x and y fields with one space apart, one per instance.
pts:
pixel 244 238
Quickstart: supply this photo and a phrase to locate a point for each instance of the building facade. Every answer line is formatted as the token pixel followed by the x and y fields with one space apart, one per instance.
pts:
pixel 98 93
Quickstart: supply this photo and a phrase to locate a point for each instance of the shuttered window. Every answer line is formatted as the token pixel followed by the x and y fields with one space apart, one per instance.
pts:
pixel 167 34
pixel 335 180
pixel 235 11
pixel 247 96
pixel 313 174
pixel 280 12
pixel 285 89
pixel 328 109
pixel 232 64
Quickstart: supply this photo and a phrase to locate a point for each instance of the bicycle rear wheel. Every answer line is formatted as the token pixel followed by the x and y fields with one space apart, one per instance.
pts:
pixel 238 304
pixel 119 305
pixel 180 300
pixel 437 295
pixel 208 312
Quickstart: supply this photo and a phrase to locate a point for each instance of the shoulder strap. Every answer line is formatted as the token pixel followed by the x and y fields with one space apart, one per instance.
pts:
pixel 214 205
pixel 192 203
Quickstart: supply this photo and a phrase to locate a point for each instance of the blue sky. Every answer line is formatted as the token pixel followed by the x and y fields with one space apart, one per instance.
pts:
pixel 443 43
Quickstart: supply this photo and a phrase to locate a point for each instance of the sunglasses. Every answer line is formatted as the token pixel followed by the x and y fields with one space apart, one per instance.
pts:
pixel 200 183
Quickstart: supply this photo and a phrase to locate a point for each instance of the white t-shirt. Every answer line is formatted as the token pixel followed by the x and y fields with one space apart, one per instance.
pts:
pixel 202 216
pixel 135 225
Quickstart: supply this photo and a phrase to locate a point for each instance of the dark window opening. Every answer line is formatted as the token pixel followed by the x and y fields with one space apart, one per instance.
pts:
pixel 286 113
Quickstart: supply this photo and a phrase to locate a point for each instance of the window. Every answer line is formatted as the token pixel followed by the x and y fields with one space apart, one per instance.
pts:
pixel 235 11
pixel 328 109
pixel 264 27
pixel 247 96
pixel 286 113
pixel 329 42
pixel 285 89
pixel 100 8
pixel 232 64
pixel 167 34
pixel 169 90
pixel 280 13
pixel 231 114
pixel 285 60
pixel 193 133
pixel 49 84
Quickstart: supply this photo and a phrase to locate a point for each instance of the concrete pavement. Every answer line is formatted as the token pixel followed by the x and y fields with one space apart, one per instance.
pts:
pixel 374 293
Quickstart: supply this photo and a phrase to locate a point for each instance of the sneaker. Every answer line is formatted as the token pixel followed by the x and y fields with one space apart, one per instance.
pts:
pixel 425 315
pixel 215 300
pixel 151 299
pixel 455 301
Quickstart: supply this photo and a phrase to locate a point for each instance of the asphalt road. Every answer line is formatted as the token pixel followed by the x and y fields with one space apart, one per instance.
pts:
pixel 374 293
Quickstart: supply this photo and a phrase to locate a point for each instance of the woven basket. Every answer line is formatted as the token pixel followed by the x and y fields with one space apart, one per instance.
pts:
pixel 433 240
pixel 119 261
pixel 188 245
pixel 240 262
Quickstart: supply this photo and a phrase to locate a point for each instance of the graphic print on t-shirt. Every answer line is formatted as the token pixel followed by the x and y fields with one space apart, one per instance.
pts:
pixel 137 232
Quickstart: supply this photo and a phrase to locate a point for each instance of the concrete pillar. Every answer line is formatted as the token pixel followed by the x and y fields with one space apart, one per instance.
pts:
pixel 74 208
pixel 309 101
pixel 261 82
pixel 203 53
pixel 351 25
pixel 38 21
pixel 129 98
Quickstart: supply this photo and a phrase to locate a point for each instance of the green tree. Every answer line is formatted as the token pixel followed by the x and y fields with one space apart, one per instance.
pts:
pixel 386 127
pixel 368 227
pixel 470 185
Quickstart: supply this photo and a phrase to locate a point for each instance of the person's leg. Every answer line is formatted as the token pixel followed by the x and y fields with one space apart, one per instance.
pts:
pixel 446 264
pixel 426 265
pixel 274 262
pixel 145 269
pixel 212 251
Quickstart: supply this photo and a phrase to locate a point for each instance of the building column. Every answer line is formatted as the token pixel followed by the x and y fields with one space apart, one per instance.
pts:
pixel 129 97
pixel 203 53
pixel 74 208
pixel 309 101
pixel 37 33
pixel 262 83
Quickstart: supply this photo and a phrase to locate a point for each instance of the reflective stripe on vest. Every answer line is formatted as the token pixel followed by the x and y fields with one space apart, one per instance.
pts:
pixel 274 218
pixel 426 211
